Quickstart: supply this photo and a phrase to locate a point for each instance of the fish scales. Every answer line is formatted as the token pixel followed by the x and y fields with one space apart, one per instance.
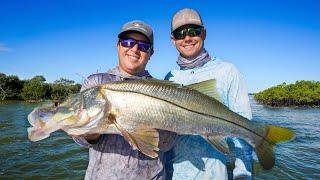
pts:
pixel 137 108
pixel 203 106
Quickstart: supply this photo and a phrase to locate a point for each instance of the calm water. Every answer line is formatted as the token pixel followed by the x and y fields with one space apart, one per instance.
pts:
pixel 59 157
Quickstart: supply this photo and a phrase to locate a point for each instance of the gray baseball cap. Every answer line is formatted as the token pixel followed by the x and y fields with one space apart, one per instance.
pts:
pixel 137 26
pixel 184 17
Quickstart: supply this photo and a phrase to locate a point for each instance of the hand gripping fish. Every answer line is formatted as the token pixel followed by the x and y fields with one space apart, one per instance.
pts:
pixel 137 108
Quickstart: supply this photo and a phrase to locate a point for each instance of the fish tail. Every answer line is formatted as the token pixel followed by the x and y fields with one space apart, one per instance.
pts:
pixel 265 150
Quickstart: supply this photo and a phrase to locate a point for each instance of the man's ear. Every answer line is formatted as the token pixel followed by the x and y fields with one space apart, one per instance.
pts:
pixel 151 53
pixel 204 34
pixel 118 44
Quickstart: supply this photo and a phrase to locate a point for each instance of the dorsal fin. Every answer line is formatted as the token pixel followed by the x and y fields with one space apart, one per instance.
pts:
pixel 207 87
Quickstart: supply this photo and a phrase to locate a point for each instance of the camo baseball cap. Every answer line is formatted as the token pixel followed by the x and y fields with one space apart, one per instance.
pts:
pixel 184 17
pixel 137 26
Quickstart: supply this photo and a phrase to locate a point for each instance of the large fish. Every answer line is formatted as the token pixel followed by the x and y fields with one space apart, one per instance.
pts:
pixel 137 108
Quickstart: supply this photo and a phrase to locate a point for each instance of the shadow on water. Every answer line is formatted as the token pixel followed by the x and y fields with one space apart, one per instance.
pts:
pixel 59 157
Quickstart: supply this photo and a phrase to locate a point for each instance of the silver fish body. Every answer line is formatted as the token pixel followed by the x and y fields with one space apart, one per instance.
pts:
pixel 137 108
pixel 177 109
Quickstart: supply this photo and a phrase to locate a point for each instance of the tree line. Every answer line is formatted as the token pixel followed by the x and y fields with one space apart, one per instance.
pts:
pixel 301 93
pixel 35 89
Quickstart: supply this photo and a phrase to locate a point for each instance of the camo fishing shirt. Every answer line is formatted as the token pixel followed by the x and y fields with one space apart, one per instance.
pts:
pixel 112 157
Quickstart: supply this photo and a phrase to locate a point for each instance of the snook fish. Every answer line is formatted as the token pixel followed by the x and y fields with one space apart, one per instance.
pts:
pixel 137 108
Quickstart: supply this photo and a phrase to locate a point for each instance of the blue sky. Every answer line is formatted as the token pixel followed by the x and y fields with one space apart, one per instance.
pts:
pixel 270 42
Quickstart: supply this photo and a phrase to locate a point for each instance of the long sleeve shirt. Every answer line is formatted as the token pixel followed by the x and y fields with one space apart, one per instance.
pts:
pixel 192 157
pixel 112 157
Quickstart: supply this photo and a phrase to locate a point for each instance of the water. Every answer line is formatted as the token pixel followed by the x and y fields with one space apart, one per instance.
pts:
pixel 59 157
pixel 300 158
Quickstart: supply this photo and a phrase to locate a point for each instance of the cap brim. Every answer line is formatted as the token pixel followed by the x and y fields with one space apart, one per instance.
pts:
pixel 186 23
pixel 132 30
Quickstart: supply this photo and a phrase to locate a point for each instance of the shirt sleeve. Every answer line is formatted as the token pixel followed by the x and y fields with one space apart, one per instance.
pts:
pixel 81 141
pixel 95 80
pixel 238 99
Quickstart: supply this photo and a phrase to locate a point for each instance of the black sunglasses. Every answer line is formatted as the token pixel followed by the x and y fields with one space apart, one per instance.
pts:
pixel 129 42
pixel 191 31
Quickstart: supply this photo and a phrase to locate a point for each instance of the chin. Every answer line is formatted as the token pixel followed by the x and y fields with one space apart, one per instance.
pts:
pixel 190 54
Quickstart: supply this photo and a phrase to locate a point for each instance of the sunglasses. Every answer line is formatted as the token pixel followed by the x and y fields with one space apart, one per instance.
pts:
pixel 129 42
pixel 191 31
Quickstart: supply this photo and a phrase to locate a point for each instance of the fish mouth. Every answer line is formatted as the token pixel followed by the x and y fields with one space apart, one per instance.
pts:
pixel 42 123
pixel 74 116
pixel 40 129
pixel 39 115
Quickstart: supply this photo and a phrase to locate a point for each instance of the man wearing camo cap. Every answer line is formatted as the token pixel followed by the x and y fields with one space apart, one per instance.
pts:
pixel 192 157
pixel 110 155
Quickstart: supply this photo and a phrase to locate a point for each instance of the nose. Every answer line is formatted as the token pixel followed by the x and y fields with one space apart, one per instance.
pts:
pixel 187 38
pixel 134 48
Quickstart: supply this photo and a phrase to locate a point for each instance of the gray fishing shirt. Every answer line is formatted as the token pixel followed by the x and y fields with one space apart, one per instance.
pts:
pixel 112 157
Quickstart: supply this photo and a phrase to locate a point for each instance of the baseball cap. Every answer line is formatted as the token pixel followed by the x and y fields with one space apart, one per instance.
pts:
pixel 185 16
pixel 137 26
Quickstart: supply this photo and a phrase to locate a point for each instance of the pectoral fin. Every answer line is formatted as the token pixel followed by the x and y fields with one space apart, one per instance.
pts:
pixel 144 138
pixel 219 143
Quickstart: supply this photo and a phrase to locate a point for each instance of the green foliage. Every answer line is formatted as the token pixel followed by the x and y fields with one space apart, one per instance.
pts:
pixel 302 93
pixel 62 88
pixel 38 78
pixel 10 87
pixel 35 89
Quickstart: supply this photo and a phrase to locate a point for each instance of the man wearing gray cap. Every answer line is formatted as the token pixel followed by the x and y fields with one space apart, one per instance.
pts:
pixel 110 155
pixel 192 157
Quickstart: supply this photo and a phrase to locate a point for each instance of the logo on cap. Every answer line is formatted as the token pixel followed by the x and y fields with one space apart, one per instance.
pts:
pixel 137 24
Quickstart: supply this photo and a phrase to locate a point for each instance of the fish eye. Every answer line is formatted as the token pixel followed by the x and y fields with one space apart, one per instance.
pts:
pixel 56 104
